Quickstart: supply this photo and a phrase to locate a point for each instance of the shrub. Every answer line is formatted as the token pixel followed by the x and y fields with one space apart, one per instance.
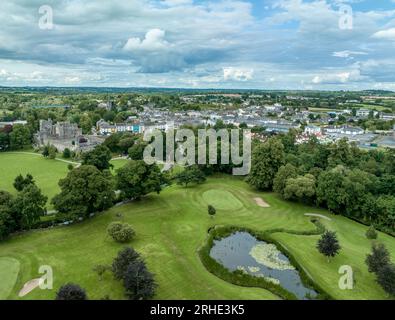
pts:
pixel 120 232
pixel 371 233
pixel 386 278
pixel 379 258
pixel 71 291
pixel 120 264
pixel 139 282
pixel 211 210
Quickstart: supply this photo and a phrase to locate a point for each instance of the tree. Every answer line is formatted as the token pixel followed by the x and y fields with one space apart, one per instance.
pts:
pixel 136 152
pixel 85 190
pixel 99 157
pixel 379 257
pixel 371 233
pixel 211 210
pixel 49 151
pixel 20 182
pixel 124 258
pixel 137 179
pixel 284 173
pixel 120 232
pixel 300 188
pixel 267 158
pixel 328 245
pixel 71 291
pixel 191 174
pixel 7 223
pixel 139 282
pixel 20 137
pixel 29 206
pixel 4 141
pixel 66 153
pixel 386 211
pixel 386 278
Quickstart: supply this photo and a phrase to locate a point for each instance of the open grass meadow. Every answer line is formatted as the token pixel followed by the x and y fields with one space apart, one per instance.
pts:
pixel 170 229
pixel 46 172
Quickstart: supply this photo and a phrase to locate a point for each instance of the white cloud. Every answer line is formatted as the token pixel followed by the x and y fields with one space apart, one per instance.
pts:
pixel 337 77
pixel 153 41
pixel 347 54
pixel 388 34
pixel 238 74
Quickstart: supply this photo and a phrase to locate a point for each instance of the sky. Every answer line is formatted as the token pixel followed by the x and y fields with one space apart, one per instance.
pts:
pixel 230 44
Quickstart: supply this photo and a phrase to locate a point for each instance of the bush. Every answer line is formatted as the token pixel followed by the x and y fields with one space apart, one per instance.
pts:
pixel 386 278
pixel 71 291
pixel 371 233
pixel 120 232
pixel 211 210
pixel 66 153
pixel 120 264
pixel 139 282
pixel 379 258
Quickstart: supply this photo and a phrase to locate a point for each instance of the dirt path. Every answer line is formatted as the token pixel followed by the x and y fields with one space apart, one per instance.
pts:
pixel 318 216
pixel 260 202
pixel 29 287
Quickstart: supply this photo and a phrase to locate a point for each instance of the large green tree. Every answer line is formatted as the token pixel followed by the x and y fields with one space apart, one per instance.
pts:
pixel 137 179
pixel 20 137
pixel 99 157
pixel 191 174
pixel 85 190
pixel 29 206
pixel 284 173
pixel 267 158
pixel 328 244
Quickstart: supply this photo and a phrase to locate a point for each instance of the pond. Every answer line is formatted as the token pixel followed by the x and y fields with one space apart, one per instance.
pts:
pixel 242 251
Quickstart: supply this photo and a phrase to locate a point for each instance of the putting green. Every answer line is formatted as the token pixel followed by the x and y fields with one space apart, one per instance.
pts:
pixel 9 269
pixel 222 199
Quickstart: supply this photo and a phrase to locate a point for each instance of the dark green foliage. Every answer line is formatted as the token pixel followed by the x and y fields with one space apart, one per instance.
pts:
pixel 66 153
pixel 71 291
pixel 85 190
pixel 138 281
pixel 29 206
pixel 284 173
pixel 99 157
pixel 124 258
pixel 211 210
pixel 121 232
pixel 20 137
pixel 20 182
pixel 378 258
pixel 386 278
pixel 328 245
pixel 267 158
pixel 190 175
pixel 137 179
pixel 371 233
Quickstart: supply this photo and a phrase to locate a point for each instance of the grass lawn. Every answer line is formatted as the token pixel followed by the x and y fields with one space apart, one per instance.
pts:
pixel 9 270
pixel 46 172
pixel 170 229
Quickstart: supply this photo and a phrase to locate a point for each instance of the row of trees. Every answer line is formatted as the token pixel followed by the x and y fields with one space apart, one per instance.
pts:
pixel 339 176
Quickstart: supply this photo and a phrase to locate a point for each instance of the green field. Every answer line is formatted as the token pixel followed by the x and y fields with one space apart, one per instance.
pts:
pixel 170 229
pixel 46 172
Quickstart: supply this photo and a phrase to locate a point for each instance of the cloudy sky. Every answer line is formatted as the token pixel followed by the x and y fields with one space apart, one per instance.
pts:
pixel 262 44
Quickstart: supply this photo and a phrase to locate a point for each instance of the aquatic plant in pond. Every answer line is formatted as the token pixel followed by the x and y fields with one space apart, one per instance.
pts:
pixel 242 252
pixel 268 255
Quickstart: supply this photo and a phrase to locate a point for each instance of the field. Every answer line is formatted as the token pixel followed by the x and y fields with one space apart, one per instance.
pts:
pixel 46 172
pixel 170 229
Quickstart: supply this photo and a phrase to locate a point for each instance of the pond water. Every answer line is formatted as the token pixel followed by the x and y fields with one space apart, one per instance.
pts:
pixel 242 251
